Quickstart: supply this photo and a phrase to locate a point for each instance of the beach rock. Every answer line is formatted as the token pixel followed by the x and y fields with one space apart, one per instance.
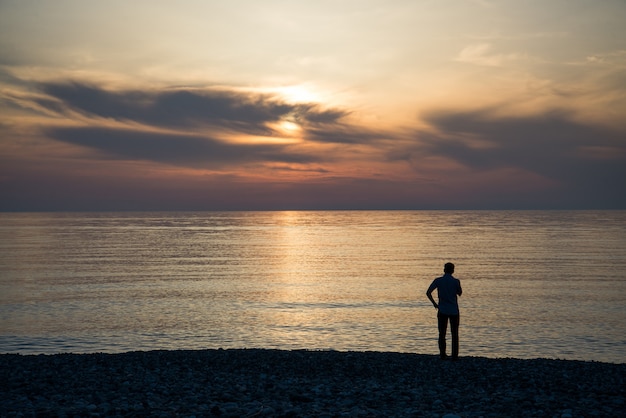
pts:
pixel 274 383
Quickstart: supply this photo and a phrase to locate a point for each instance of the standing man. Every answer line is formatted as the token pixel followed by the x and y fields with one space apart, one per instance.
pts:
pixel 448 288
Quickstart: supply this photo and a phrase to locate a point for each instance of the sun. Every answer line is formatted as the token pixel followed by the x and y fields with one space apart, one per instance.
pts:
pixel 298 94
pixel 290 127
pixel 285 131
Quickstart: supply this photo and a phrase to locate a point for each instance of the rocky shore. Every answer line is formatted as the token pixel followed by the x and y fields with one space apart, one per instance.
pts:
pixel 274 383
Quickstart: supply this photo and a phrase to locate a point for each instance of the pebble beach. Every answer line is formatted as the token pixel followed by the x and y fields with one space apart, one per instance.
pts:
pixel 275 383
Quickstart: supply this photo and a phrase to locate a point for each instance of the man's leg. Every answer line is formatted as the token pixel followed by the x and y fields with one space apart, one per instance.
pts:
pixel 442 321
pixel 454 329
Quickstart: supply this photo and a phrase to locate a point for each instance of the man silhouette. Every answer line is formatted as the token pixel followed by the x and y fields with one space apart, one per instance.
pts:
pixel 448 288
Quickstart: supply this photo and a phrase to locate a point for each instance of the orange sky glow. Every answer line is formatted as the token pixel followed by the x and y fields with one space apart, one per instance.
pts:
pixel 246 105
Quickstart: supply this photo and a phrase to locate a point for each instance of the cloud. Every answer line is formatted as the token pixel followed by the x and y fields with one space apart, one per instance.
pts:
pixel 187 108
pixel 587 160
pixel 198 122
pixel 182 150
pixel 617 58
pixel 480 54
pixel 343 134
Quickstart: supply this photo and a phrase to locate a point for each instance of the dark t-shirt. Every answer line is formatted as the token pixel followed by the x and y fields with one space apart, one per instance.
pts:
pixel 447 289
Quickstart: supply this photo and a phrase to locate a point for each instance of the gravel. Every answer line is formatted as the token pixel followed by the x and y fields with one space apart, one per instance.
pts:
pixel 275 383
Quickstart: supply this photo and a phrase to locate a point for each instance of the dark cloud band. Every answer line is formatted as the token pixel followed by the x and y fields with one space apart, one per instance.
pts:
pixel 176 149
pixel 188 108
pixel 552 145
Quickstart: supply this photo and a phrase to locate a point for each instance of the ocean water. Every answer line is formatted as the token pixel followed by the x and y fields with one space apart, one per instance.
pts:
pixel 536 283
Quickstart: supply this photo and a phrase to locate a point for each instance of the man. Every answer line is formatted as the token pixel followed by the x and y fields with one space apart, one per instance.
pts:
pixel 448 288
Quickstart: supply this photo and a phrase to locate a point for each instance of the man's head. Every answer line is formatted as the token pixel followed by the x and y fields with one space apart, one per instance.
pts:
pixel 448 268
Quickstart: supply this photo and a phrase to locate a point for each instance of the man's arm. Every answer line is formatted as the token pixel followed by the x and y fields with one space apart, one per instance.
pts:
pixel 459 290
pixel 429 293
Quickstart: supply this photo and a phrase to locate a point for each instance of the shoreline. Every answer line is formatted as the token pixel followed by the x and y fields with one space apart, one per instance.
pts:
pixel 266 382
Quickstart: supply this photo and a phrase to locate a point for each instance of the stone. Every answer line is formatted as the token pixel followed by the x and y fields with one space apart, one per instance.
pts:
pixel 255 382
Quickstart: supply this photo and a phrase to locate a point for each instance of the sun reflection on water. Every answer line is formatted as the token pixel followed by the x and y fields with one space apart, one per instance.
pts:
pixel 315 280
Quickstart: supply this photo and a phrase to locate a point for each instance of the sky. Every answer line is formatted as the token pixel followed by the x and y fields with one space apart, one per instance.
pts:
pixel 290 105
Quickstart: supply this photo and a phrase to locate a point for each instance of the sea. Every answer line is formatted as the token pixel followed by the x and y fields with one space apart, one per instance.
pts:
pixel 536 284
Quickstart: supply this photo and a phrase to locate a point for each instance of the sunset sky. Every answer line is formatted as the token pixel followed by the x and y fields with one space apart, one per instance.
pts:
pixel 368 104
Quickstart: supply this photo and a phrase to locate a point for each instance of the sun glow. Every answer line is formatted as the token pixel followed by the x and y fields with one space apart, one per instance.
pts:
pixel 289 127
pixel 298 94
